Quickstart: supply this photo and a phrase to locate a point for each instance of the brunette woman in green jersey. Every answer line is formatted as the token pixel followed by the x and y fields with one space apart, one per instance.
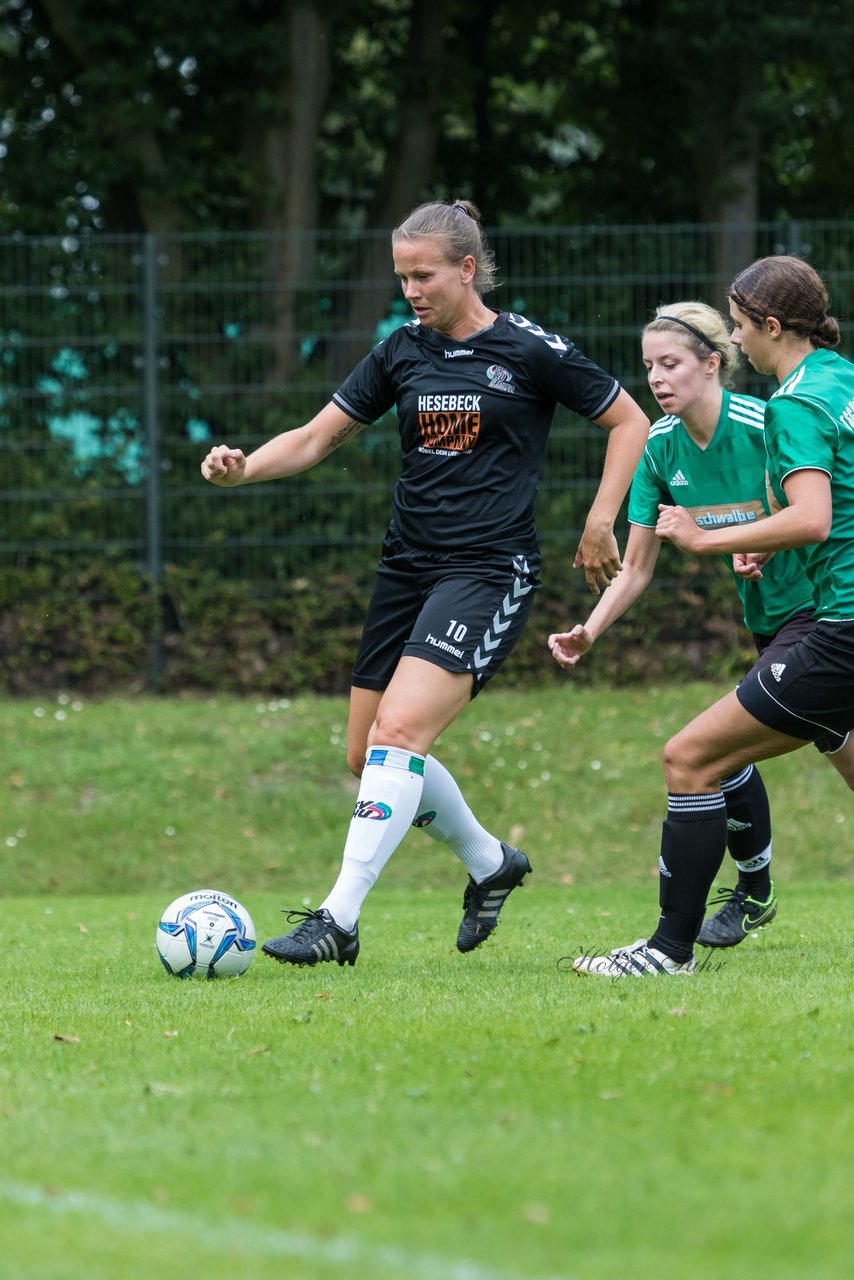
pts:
pixel 778 306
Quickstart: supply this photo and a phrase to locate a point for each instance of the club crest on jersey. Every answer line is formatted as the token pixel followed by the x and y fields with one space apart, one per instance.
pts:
pixel 500 379
pixel 373 809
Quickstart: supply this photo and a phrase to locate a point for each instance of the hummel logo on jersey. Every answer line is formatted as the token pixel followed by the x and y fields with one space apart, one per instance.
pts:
pixel 452 355
pixel 777 669
pixel 679 478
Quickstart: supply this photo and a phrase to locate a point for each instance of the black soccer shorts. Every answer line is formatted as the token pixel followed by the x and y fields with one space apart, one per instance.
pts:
pixel 458 610
pixel 770 648
pixel 807 690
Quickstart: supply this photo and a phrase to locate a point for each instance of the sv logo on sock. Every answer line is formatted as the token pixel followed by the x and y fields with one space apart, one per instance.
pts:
pixel 374 809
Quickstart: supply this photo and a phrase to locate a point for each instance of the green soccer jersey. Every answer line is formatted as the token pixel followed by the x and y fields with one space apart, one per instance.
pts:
pixel 723 484
pixel 810 424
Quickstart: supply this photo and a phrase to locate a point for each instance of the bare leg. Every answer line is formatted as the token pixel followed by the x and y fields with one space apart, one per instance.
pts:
pixel 843 760
pixel 421 701
pixel 717 743
pixel 363 713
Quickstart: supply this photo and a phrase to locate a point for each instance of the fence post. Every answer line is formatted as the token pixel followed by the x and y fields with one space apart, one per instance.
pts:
pixel 795 244
pixel 153 530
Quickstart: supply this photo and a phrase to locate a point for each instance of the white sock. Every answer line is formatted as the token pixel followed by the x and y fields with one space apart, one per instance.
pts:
pixel 389 792
pixel 444 815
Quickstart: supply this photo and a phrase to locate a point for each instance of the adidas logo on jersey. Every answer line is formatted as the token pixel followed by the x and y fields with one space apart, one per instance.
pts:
pixel 777 669
pixel 679 478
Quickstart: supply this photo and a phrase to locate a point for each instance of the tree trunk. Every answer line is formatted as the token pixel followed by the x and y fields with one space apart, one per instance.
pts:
pixel 408 167
pixel 286 151
pixel 728 187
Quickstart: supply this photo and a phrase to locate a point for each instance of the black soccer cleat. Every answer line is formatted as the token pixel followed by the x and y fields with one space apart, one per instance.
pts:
pixel 739 916
pixel 316 939
pixel 482 902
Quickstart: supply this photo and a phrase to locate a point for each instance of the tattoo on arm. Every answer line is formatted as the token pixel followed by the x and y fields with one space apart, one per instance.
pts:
pixel 349 429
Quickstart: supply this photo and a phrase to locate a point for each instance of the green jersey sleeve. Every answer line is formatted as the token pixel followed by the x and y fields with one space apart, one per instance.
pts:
pixel 647 491
pixel 798 435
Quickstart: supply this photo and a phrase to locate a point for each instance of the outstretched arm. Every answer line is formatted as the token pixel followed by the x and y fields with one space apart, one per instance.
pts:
pixel 642 551
pixel 285 454
pixel 807 519
pixel 628 428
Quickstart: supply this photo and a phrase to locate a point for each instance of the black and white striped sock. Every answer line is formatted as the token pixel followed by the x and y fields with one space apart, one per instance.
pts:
pixel 693 843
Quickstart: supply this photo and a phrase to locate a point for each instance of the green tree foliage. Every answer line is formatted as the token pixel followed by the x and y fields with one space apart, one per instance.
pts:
pixel 305 121
pixel 728 116
pixel 260 113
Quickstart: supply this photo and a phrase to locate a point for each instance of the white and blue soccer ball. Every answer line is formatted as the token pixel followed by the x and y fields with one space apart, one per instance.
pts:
pixel 206 934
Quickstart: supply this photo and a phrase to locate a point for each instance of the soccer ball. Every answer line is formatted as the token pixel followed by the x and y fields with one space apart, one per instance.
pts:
pixel 205 934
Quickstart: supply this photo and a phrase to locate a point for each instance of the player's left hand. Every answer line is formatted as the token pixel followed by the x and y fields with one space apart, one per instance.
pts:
pixel 599 557
pixel 677 525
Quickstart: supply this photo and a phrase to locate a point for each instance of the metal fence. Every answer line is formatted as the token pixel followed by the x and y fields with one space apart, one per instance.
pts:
pixel 124 357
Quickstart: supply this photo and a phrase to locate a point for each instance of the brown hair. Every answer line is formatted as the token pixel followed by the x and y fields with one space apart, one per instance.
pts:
pixel 457 223
pixel 791 291
pixel 702 329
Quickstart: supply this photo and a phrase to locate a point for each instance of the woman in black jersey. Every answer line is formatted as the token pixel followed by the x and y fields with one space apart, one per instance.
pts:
pixel 475 392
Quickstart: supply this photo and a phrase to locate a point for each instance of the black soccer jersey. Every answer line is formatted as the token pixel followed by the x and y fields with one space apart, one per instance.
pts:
pixel 474 419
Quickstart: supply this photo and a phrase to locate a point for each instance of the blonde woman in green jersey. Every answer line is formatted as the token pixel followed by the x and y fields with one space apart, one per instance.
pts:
pixel 708 455
pixel 778 307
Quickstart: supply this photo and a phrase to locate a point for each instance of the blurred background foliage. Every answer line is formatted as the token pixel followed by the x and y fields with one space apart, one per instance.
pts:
pixel 194 216
pixel 259 114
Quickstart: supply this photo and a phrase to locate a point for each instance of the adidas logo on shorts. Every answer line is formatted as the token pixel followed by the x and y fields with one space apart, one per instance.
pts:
pixel 777 669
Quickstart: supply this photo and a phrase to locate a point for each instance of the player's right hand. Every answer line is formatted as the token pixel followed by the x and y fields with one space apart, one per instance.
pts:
pixel 224 466
pixel 568 646
pixel 750 566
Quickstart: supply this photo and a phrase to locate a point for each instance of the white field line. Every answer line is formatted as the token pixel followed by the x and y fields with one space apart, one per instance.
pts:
pixel 251 1239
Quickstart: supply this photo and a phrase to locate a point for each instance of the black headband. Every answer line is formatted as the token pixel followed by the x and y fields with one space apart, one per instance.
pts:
pixel 696 332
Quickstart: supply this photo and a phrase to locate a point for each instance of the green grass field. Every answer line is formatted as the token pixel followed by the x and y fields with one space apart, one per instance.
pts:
pixel 424 1114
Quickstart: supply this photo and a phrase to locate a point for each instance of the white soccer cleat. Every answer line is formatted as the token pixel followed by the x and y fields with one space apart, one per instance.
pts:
pixel 637 961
